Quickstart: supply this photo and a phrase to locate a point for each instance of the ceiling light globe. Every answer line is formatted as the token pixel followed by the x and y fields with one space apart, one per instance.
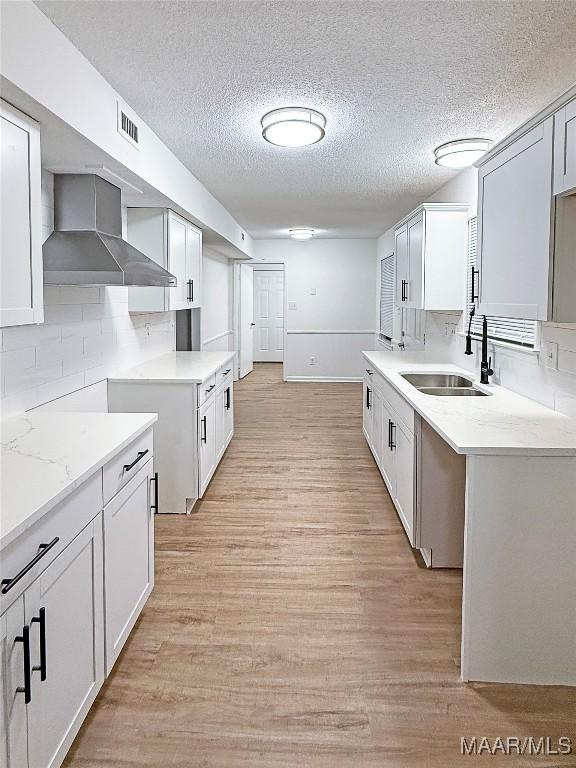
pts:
pixel 293 127
pixel 301 233
pixel 462 153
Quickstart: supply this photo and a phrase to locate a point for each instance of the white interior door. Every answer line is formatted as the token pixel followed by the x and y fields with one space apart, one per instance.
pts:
pixel 246 351
pixel 269 315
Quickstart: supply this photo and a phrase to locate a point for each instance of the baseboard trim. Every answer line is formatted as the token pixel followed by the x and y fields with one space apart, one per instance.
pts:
pixel 326 379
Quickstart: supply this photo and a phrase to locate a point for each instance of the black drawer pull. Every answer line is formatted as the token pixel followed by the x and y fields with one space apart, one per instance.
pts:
pixel 190 290
pixel 7 584
pixel 26 689
pixel 227 372
pixel 41 619
pixel 369 372
pixel 228 398
pixel 368 390
pixel 210 388
pixel 128 467
pixel 204 428
pixel 391 434
pixel 155 505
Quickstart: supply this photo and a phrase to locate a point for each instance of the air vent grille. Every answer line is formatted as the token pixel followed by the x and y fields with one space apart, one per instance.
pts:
pixel 127 127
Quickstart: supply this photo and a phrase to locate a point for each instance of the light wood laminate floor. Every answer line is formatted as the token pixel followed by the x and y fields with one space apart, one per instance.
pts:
pixel 291 624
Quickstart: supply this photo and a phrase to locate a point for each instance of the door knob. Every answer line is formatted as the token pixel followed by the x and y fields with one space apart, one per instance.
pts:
pixel 252 323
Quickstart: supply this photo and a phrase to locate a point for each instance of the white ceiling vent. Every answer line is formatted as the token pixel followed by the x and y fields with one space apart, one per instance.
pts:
pixel 126 126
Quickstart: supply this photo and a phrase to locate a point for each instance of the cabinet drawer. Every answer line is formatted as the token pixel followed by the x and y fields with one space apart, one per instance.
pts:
pixel 63 523
pixel 206 389
pixel 224 371
pixel 403 410
pixel 127 464
pixel 225 381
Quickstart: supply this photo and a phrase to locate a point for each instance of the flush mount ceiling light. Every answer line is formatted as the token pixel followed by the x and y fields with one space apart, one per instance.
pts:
pixel 461 153
pixel 301 233
pixel 293 126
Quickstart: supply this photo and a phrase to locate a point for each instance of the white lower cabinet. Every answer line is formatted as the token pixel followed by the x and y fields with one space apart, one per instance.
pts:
pixel 207 442
pixel 392 444
pixel 129 558
pixel 71 592
pixel 64 606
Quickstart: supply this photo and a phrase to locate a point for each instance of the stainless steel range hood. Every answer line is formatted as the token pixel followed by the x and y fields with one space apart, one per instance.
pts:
pixel 86 247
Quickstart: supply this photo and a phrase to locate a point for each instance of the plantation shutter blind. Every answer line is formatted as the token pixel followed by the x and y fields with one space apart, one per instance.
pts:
pixel 512 330
pixel 387 297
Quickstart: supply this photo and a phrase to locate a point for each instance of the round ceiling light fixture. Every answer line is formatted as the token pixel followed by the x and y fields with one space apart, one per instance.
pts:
pixel 301 233
pixel 461 153
pixel 293 126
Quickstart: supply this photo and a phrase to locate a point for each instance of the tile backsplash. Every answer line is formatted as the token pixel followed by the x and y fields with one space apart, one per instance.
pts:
pixel 87 334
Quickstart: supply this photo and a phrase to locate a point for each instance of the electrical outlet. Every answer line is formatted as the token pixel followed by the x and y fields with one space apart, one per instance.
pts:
pixel 148 328
pixel 551 355
pixel 312 360
pixel 291 305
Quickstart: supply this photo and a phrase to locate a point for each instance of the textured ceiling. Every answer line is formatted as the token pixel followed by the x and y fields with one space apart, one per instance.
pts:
pixel 394 80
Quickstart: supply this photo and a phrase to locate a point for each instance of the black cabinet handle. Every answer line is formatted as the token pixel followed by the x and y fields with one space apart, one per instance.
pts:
pixel 368 398
pixel 404 290
pixel 155 505
pixel 210 388
pixel 190 290
pixel 392 434
pixel 128 467
pixel 369 372
pixel 204 428
pixel 227 372
pixel 26 689
pixel 473 294
pixel 227 398
pixel 7 584
pixel 41 619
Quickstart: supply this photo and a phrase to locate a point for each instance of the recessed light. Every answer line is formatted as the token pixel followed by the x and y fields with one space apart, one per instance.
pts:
pixel 301 233
pixel 461 153
pixel 293 126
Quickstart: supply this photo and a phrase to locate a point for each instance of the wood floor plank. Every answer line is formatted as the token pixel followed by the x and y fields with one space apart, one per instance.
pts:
pixel 291 624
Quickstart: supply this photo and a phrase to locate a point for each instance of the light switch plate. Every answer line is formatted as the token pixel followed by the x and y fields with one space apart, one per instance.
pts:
pixel 291 305
pixel 312 291
pixel 551 355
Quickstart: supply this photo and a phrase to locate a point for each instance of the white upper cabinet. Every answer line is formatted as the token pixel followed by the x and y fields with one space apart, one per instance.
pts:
pixel 514 227
pixel 527 219
pixel 430 248
pixel 565 149
pixel 21 279
pixel 173 243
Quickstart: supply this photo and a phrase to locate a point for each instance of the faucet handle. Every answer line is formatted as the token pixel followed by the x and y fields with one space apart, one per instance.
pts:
pixel 489 370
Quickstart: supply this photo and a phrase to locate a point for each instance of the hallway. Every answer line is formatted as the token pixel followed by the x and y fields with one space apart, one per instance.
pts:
pixel 291 624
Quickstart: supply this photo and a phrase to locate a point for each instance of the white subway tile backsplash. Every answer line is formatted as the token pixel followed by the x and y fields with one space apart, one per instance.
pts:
pixel 20 336
pixel 17 360
pixel 57 351
pixel 18 381
pixel 79 294
pixel 62 313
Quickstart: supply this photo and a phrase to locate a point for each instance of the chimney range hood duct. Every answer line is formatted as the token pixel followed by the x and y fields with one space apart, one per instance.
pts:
pixel 86 247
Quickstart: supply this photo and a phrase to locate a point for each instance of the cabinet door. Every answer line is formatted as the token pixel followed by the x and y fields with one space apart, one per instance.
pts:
pixel 129 558
pixel 177 261
pixel 367 419
pixel 206 443
pixel 21 277
pixel 565 149
pixel 402 266
pixel 13 722
pixel 388 459
pixel 147 230
pixel 65 606
pixel 404 497
pixel 220 423
pixel 514 227
pixel 228 413
pixel 415 230
pixel 193 266
pixel 377 425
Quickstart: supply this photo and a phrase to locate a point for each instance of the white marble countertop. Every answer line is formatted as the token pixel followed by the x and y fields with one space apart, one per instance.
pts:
pixel 44 456
pixel 504 423
pixel 176 367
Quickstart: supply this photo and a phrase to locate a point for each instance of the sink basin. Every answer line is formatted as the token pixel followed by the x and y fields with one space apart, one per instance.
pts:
pixel 452 391
pixel 449 380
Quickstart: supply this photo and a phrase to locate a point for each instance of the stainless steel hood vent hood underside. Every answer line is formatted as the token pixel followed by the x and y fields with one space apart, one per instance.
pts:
pixel 86 247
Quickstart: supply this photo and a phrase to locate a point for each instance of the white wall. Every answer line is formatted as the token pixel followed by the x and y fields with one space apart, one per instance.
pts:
pixel 217 301
pixel 87 335
pixel 522 371
pixel 336 323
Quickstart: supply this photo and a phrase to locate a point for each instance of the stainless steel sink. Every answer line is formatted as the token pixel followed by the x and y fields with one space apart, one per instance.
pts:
pixel 451 380
pixel 452 391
